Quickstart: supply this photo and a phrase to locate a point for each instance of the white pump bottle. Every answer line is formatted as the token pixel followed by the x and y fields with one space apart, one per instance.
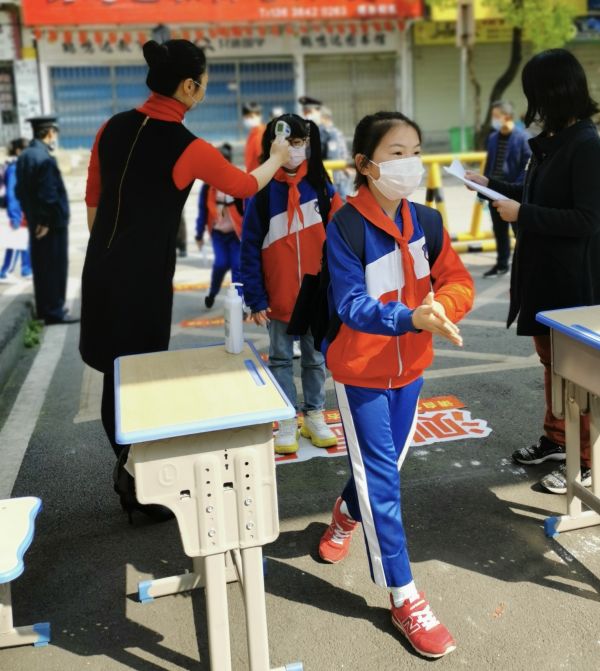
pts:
pixel 234 332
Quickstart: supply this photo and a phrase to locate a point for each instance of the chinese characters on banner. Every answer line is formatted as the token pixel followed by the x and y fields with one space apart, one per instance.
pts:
pixel 94 12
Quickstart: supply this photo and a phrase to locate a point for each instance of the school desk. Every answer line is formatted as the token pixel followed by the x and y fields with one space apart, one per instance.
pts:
pixel 575 336
pixel 200 422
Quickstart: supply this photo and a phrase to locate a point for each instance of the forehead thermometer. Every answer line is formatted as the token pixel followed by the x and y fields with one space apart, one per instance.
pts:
pixel 282 130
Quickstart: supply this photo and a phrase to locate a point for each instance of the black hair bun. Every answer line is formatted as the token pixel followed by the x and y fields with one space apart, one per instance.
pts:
pixel 156 54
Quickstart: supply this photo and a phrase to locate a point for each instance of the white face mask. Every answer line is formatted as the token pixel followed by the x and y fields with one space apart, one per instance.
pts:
pixel 497 123
pixel 251 122
pixel 400 177
pixel 297 156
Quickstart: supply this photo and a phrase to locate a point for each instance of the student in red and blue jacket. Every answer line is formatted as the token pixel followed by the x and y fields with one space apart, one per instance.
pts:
pixel 390 301
pixel 222 215
pixel 282 239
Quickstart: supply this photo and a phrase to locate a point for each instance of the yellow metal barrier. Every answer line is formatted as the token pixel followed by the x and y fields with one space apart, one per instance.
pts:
pixel 474 241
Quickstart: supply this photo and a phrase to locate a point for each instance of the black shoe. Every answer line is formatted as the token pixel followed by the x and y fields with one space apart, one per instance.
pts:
pixel 496 270
pixel 51 321
pixel 209 301
pixel 545 450
pixel 124 485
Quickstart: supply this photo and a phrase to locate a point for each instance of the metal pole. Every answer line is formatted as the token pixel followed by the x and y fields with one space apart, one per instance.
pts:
pixel 463 96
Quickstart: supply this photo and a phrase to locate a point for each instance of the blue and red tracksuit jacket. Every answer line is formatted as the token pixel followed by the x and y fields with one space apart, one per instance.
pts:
pixel 377 345
pixel 274 255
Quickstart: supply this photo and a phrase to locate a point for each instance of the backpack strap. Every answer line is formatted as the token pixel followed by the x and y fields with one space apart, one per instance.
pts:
pixel 433 229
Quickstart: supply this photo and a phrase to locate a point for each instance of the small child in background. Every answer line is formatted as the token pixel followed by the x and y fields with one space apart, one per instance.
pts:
pixel 222 215
pixel 15 214
pixel 282 239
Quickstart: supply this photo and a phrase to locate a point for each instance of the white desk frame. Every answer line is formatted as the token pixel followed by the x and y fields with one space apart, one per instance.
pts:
pixel 217 475
pixel 17 524
pixel 575 335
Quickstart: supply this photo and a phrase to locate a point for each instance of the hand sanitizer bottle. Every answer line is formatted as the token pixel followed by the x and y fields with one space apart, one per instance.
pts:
pixel 234 333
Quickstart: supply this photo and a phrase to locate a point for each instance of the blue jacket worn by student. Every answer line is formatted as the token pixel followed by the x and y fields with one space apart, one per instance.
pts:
pixel 282 239
pixel 221 214
pixel 15 214
pixel 508 154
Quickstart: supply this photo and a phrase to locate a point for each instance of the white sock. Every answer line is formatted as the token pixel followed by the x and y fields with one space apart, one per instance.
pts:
pixel 344 510
pixel 401 594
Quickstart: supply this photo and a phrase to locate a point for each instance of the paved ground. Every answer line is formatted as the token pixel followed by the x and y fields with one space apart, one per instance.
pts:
pixel 513 598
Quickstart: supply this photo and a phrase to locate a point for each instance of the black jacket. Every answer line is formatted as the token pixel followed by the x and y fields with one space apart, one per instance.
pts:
pixel 127 284
pixel 40 188
pixel 557 257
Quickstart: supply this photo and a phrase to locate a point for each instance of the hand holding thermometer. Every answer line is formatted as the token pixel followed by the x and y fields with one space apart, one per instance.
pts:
pixel 282 131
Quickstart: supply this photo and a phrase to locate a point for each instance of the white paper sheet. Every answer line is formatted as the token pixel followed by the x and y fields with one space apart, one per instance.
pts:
pixel 457 170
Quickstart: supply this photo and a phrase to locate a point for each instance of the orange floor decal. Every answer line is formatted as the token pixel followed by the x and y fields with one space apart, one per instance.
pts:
pixel 441 419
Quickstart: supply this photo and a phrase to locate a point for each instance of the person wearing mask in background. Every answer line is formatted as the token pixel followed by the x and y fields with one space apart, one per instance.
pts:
pixel 222 215
pixel 311 110
pixel 403 288
pixel 14 211
pixel 253 123
pixel 337 151
pixel 142 167
pixel 43 197
pixel 282 239
pixel 508 153
pixel 557 217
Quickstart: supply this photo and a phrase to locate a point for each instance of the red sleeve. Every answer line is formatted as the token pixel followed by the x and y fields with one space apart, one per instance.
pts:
pixel 94 183
pixel 253 149
pixel 452 283
pixel 202 161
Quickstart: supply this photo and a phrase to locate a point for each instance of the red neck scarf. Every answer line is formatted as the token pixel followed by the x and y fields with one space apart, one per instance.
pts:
pixel 371 210
pixel 163 108
pixel 293 203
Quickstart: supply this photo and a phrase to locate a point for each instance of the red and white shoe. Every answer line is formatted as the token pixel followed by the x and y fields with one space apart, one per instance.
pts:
pixel 416 621
pixel 335 542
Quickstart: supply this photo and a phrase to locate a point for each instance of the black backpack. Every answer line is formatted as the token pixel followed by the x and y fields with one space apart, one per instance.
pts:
pixel 311 310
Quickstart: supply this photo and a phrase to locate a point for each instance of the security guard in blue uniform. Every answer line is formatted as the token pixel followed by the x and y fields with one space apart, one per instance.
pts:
pixel 43 197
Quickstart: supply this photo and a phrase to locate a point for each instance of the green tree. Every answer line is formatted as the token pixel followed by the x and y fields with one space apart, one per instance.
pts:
pixel 546 24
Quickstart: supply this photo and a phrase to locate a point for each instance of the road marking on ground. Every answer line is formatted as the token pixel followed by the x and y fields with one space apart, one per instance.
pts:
pixel 20 424
pixel 483 322
pixel 527 362
pixel 14 290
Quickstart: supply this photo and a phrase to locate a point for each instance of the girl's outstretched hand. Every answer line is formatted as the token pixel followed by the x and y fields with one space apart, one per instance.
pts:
pixel 431 316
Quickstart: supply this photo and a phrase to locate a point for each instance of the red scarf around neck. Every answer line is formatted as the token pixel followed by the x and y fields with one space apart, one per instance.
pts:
pixel 293 203
pixel 371 210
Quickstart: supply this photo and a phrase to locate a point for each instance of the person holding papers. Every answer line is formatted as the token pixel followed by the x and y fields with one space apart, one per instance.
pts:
pixel 557 216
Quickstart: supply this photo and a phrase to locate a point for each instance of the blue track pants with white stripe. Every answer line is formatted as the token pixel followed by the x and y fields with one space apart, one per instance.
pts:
pixel 379 425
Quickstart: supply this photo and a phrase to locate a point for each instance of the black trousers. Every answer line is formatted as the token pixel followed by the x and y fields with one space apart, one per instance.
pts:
pixel 49 262
pixel 502 239
pixel 107 413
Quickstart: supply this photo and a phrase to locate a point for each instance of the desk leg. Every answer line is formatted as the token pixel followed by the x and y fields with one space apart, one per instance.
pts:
pixel 573 449
pixel 256 610
pixel 219 643
pixel 595 442
pixel 37 634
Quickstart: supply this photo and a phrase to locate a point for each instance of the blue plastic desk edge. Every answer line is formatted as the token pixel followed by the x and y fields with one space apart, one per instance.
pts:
pixel 144 591
pixel 241 420
pixel 9 576
pixel 575 331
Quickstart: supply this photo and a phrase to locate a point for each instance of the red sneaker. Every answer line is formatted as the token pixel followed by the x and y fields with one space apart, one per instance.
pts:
pixel 416 621
pixel 335 542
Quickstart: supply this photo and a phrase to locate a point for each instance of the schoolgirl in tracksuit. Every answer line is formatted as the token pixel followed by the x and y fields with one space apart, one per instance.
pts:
pixel 390 302
pixel 15 213
pixel 282 239
pixel 222 215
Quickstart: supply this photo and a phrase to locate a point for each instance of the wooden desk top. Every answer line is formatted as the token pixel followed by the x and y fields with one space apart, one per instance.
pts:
pixel 182 392
pixel 17 517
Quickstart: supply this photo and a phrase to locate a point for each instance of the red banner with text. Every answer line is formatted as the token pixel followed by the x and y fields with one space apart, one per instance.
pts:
pixel 98 12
